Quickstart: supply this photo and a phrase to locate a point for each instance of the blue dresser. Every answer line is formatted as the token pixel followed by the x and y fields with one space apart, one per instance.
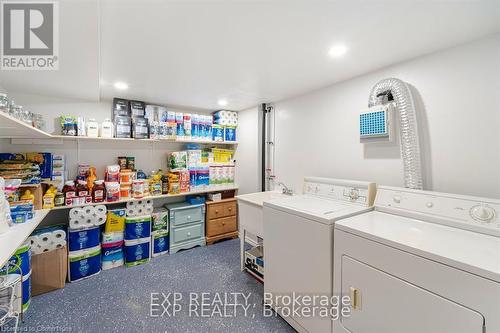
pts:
pixel 187 226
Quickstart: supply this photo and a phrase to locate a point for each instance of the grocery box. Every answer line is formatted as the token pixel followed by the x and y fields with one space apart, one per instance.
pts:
pixel 48 271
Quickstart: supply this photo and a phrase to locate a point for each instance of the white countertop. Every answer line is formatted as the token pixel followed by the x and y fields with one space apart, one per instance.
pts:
pixel 17 234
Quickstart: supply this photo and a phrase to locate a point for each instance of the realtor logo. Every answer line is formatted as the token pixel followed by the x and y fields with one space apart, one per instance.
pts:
pixel 30 35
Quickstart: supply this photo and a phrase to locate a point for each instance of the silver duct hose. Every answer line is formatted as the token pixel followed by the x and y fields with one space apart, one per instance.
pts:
pixel 410 147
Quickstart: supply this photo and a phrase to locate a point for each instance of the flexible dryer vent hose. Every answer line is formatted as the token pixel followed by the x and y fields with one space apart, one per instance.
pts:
pixel 410 147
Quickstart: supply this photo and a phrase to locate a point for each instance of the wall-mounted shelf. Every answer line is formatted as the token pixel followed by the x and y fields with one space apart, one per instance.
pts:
pixel 17 234
pixel 22 133
pixel 11 127
pixel 208 190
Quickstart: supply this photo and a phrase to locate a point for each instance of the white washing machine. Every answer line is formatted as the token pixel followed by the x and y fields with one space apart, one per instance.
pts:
pixel 421 262
pixel 298 244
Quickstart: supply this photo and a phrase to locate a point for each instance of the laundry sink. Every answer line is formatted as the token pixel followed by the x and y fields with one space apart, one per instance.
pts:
pixel 250 216
pixel 259 198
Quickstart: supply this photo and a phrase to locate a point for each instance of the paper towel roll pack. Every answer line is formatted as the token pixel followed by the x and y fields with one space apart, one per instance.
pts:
pixel 159 219
pixel 115 221
pixel 20 263
pixel 47 239
pixel 160 243
pixel 26 285
pixel 139 207
pixel 83 239
pixel 83 264
pixel 137 227
pixel 137 251
pixel 87 216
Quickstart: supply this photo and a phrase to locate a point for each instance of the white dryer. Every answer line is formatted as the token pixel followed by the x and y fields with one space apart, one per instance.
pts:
pixel 298 243
pixel 421 262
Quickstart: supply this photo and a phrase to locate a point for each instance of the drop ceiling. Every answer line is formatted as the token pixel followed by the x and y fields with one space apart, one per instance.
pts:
pixel 193 53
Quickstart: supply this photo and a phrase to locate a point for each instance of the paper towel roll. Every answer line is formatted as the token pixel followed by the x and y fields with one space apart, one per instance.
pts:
pixel 101 210
pixel 88 210
pixel 99 220
pixel 59 234
pixel 74 212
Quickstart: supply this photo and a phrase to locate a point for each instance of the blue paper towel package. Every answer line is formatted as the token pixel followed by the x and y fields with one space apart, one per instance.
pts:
pixel 137 227
pixel 84 263
pixel 83 239
pixel 137 251
pixel 26 286
pixel 160 241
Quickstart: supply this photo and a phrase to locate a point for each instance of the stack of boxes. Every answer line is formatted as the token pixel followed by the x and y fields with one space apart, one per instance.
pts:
pixel 58 170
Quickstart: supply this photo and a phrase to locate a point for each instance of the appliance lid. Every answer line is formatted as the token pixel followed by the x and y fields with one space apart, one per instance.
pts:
pixel 466 250
pixel 316 208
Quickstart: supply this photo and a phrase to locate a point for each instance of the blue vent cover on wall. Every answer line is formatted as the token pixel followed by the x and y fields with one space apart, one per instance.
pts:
pixel 374 123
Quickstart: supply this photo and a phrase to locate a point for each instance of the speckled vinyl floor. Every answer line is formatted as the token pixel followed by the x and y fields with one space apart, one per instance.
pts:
pixel 119 300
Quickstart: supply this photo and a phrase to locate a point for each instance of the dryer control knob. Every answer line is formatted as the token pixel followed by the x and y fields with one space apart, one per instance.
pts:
pixel 482 213
pixel 396 199
pixel 429 204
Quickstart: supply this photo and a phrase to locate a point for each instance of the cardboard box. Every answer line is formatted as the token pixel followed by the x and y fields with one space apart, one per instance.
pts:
pixel 48 271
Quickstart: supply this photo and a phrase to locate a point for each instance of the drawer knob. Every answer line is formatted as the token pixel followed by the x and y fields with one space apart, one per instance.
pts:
pixel 230 208
pixel 189 234
pixel 223 223
pixel 216 211
pixel 189 217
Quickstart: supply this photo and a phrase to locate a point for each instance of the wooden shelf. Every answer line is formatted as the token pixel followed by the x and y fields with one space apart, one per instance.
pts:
pixel 209 190
pixel 17 234
pixel 13 128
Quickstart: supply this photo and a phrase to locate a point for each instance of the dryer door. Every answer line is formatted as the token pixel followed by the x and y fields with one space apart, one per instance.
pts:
pixel 386 304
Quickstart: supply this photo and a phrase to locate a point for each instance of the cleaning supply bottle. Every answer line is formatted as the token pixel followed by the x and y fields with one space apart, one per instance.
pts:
pixel 48 198
pixel 107 128
pixel 28 196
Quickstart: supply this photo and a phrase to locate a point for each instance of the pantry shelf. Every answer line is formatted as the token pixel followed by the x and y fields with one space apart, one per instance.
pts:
pixel 17 234
pixel 11 127
pixel 212 189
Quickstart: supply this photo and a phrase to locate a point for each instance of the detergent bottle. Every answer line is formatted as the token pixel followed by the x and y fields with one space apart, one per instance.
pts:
pixel 48 198
pixel 28 196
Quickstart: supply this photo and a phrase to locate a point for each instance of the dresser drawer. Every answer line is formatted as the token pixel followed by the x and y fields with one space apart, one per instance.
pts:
pixel 215 211
pixel 221 226
pixel 186 215
pixel 230 208
pixel 223 209
pixel 183 234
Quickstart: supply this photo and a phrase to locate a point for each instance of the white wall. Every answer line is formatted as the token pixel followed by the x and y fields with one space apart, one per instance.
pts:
pixel 459 101
pixel 248 159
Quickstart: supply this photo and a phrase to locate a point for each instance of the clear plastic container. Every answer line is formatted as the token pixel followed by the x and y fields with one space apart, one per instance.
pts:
pixel 4 102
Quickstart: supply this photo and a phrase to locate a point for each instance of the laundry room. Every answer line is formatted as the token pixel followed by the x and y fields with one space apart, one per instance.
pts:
pixel 250 166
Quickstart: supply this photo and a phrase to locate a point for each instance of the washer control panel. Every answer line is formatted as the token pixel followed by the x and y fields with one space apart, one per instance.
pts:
pixel 466 212
pixel 355 192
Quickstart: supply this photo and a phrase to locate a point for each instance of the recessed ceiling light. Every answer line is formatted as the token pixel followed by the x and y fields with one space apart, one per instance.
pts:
pixel 119 85
pixel 222 102
pixel 337 50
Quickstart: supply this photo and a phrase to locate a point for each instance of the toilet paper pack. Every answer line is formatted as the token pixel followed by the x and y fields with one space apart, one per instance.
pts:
pixel 83 264
pixel 87 216
pixel 160 243
pixel 139 208
pixel 137 227
pixel 82 239
pixel 137 251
